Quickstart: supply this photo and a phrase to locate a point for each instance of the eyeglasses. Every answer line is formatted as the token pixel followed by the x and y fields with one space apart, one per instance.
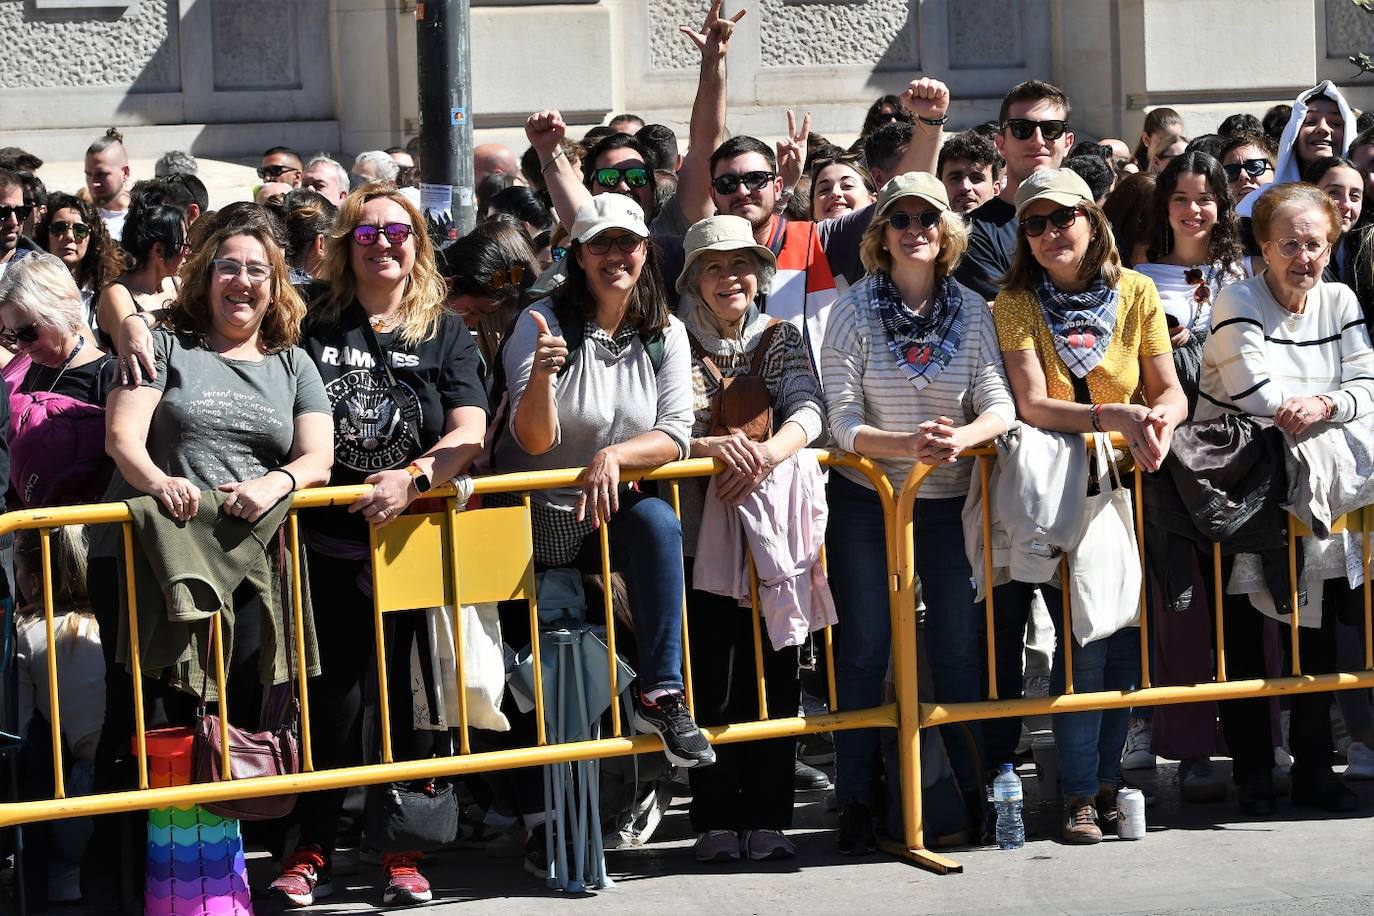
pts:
pixel 1202 291
pixel 1062 218
pixel 902 221
pixel 503 278
pixel 273 172
pixel 20 212
pixel 1023 128
pixel 396 233
pixel 229 269
pixel 25 335
pixel 602 244
pixel 1252 167
pixel 60 227
pixel 754 181
pixel 636 176
pixel 1290 248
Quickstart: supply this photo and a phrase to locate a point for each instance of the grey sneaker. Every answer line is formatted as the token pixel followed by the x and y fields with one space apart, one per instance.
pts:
pixel 717 846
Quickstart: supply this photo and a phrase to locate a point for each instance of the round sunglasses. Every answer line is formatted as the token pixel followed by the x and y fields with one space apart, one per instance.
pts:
pixel 367 234
pixel 1252 167
pixel 1062 218
pixel 902 221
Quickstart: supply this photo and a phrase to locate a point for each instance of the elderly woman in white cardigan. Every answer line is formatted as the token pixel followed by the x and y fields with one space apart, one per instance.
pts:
pixel 1289 346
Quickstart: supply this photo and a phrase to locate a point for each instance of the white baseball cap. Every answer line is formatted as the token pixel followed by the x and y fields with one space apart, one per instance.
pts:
pixel 608 211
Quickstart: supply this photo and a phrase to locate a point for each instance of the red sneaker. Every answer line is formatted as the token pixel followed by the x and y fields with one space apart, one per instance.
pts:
pixel 304 876
pixel 404 883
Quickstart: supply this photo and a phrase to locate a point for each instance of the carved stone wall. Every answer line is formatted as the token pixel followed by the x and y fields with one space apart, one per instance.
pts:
pixel 986 33
pixel 875 33
pixel 669 49
pixel 52 50
pixel 256 45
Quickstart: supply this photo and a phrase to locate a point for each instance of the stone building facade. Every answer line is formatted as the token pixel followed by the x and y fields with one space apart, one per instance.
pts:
pixel 226 78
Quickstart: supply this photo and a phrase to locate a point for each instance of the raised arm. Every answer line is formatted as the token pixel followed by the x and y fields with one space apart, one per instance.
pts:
pixel 928 100
pixel 707 130
pixel 545 131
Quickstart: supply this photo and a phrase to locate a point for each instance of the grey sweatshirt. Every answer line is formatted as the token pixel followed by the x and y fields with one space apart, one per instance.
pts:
pixel 602 399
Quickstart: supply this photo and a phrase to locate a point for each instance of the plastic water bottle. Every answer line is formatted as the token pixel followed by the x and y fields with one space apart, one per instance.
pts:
pixel 1006 797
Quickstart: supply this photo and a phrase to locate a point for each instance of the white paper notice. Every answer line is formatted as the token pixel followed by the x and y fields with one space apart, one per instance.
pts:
pixel 437 198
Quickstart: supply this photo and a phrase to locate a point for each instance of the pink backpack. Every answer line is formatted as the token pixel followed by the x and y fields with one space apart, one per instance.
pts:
pixel 57 446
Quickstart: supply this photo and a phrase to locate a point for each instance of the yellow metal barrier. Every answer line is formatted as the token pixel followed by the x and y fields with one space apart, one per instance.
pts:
pixel 441 559
pixel 929 714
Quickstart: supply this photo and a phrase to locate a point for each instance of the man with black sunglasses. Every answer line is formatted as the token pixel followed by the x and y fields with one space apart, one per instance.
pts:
pixel 281 163
pixel 1034 134
pixel 13 212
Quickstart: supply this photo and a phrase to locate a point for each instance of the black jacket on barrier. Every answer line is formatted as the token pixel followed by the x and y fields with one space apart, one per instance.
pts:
pixel 1223 482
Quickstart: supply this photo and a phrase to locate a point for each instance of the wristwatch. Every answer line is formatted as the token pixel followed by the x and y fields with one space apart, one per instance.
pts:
pixel 419 478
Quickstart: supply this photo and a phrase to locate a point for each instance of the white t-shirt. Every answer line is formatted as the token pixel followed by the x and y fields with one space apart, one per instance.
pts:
pixel 1179 297
pixel 114 222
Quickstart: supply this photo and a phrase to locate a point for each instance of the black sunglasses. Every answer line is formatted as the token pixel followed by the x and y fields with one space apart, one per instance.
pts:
pixel 1023 128
pixel 1252 167
pixel 602 244
pixel 1062 218
pixel 729 182
pixel 367 234
pixel 902 221
pixel 60 227
pixel 21 212
pixel 25 335
pixel 636 176
pixel 273 172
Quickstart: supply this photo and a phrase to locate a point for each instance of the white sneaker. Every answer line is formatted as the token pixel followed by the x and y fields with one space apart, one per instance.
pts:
pixel 1359 759
pixel 1282 759
pixel 1136 755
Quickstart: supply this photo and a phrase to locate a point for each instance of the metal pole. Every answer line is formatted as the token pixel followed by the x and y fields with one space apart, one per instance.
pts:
pixel 444 58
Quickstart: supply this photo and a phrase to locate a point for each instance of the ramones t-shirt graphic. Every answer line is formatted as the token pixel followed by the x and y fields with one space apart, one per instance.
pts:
pixel 370 430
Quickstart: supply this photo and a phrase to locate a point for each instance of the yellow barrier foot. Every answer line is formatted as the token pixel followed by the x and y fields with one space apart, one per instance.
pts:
pixel 930 861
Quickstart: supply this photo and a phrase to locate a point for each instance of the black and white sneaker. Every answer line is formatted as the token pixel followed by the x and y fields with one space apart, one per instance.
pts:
pixel 683 743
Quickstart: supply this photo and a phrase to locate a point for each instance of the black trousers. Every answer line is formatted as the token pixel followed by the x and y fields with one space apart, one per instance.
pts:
pixel 751 786
pixel 1245 723
pixel 347 645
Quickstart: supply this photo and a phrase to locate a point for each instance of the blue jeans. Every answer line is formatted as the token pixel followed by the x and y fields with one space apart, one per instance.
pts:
pixel 1089 743
pixel 952 626
pixel 857 552
pixel 646 545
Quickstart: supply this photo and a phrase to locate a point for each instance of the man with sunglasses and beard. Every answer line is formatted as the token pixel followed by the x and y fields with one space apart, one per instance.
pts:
pixel 13 212
pixel 811 256
pixel 1034 135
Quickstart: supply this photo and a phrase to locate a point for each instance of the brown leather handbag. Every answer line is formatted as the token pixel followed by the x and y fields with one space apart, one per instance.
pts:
pixel 742 404
pixel 274 752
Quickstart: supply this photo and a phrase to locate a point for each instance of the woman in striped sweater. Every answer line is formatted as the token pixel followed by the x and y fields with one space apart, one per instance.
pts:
pixel 1287 345
pixel 911 373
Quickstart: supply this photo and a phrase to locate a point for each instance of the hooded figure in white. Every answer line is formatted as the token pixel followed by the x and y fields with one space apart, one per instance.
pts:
pixel 1290 166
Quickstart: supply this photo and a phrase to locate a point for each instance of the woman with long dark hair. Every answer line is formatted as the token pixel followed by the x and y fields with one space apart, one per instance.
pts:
pixel 75 233
pixel 154 237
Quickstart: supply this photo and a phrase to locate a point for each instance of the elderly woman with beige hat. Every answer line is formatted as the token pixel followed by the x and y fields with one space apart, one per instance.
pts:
pixel 756 403
pixel 1086 349
pixel 911 373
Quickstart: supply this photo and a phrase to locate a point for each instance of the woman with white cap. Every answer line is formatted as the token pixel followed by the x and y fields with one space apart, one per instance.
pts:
pixel 1081 336
pixel 741 805
pixel 911 374
pixel 599 376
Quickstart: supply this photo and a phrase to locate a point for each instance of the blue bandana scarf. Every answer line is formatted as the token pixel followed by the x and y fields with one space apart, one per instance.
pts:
pixel 922 346
pixel 1080 323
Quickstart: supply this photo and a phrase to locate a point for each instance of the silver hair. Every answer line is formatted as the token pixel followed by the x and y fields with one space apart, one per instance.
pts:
pixel 387 168
pixel 340 173
pixel 175 162
pixel 691 277
pixel 42 287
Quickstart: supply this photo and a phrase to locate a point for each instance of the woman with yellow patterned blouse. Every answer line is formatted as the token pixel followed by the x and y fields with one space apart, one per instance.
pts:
pixel 1086 349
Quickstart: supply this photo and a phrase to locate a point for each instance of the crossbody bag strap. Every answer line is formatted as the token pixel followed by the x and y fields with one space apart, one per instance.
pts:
pixel 707 363
pixel 761 351
pixel 408 411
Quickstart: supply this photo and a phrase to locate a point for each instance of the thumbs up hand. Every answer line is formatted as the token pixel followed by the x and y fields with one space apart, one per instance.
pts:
pixel 550 350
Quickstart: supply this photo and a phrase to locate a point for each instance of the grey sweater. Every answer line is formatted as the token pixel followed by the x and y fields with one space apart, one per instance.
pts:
pixel 602 399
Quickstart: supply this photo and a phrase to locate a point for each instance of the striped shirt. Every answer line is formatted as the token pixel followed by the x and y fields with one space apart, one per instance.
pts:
pixel 1260 354
pixel 864 388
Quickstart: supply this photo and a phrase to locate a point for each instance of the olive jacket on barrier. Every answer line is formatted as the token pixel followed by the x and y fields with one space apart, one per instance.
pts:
pixel 186 571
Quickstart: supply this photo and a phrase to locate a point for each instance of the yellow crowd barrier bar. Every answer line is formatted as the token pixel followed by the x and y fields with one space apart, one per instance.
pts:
pixel 929 714
pixel 442 559
pixel 45 542
pixel 675 491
